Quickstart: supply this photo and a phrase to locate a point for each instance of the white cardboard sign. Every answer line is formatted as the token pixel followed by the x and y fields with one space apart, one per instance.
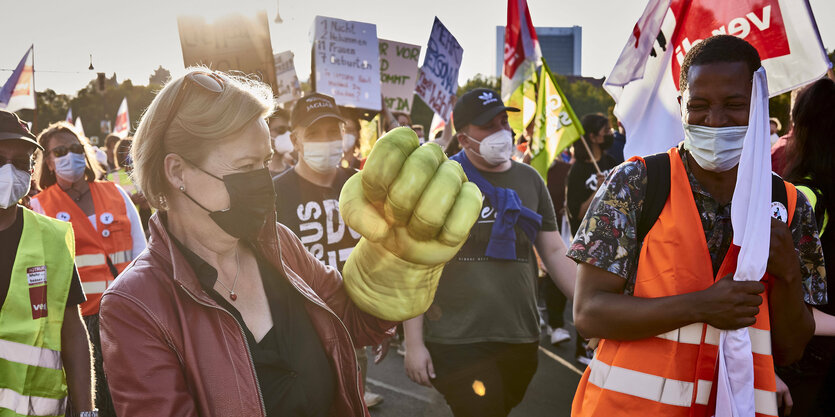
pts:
pixel 286 80
pixel 438 77
pixel 346 61
pixel 398 74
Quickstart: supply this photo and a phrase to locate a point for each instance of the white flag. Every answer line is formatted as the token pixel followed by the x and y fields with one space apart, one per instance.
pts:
pixel 79 126
pixel 783 32
pixel 122 126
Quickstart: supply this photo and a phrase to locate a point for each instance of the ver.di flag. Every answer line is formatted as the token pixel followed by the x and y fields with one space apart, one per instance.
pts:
pixel 646 89
pixel 19 90
pixel 555 126
pixel 122 126
pixel 521 57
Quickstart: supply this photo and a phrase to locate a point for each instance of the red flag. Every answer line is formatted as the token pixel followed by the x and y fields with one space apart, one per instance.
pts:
pixel 122 126
pixel 646 90
pixel 521 47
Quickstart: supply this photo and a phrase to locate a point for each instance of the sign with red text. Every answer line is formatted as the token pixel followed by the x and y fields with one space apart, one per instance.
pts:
pixel 398 74
pixel 346 62
pixel 438 77
pixel 645 84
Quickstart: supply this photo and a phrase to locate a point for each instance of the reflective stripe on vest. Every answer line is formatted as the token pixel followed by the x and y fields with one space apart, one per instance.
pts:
pixel 30 405
pixel 110 239
pixel 30 355
pixel 664 390
pixel 95 259
pixel 692 334
pixel 32 379
pixel 672 374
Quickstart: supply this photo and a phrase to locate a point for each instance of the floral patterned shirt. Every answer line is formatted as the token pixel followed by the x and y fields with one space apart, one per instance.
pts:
pixel 607 236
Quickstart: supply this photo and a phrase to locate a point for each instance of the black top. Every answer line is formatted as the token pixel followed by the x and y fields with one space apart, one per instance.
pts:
pixel 9 239
pixel 294 373
pixel 311 212
pixel 581 184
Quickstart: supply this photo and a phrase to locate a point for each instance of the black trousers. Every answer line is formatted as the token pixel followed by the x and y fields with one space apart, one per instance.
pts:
pixel 483 379
pixel 104 403
pixel 555 301
pixel 811 380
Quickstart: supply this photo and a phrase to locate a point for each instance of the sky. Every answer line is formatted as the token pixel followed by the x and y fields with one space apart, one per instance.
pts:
pixel 132 38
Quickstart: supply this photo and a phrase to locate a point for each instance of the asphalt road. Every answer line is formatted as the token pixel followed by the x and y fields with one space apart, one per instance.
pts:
pixel 549 394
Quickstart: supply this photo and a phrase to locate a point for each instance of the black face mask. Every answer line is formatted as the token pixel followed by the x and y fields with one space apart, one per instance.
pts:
pixel 608 140
pixel 251 200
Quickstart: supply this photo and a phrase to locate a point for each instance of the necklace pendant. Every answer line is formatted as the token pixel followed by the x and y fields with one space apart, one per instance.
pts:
pixel 233 296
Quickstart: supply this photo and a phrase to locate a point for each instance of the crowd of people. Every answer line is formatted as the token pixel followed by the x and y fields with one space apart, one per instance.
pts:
pixel 236 258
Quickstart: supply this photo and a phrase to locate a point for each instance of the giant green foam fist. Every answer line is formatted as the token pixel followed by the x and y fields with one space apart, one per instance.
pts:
pixel 414 209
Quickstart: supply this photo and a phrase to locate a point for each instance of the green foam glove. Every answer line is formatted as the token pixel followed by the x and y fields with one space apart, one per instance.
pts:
pixel 414 209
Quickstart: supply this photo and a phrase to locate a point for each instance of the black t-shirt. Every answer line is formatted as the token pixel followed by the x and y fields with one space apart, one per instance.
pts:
pixel 9 240
pixel 312 213
pixel 581 184
pixel 295 375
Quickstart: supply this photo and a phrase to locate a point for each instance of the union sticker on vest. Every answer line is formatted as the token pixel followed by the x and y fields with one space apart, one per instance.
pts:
pixel 779 211
pixel 36 276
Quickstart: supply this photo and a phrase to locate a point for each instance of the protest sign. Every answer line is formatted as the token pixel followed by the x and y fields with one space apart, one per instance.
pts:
pixel 286 80
pixel 346 62
pixel 438 77
pixel 232 43
pixel 398 74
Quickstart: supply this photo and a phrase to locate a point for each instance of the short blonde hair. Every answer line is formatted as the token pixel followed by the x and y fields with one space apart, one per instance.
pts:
pixel 202 120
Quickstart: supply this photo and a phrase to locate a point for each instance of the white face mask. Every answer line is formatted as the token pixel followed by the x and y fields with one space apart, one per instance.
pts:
pixel 14 184
pixel 716 149
pixel 495 148
pixel 322 157
pixel 70 167
pixel 282 143
pixel 348 142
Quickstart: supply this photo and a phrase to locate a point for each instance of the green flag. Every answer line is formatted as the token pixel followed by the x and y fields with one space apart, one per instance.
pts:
pixel 524 99
pixel 555 126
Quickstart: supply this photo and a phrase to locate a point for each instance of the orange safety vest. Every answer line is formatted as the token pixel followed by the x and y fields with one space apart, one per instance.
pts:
pixel 112 241
pixel 673 374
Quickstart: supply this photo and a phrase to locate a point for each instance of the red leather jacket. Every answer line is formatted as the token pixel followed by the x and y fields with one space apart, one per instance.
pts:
pixel 170 350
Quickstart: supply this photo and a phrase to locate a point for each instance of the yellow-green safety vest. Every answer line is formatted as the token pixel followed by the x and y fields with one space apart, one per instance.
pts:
pixel 32 378
pixel 123 179
pixel 813 200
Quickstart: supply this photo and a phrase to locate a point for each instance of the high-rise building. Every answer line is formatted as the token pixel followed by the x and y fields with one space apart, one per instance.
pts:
pixel 561 48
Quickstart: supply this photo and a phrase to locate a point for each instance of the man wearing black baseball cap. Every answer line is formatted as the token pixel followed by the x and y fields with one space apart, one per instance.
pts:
pixel 482 331
pixel 307 195
pixel 39 294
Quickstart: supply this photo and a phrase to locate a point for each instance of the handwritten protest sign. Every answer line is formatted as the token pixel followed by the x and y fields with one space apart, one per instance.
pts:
pixel 398 74
pixel 232 43
pixel 438 77
pixel 287 82
pixel 346 62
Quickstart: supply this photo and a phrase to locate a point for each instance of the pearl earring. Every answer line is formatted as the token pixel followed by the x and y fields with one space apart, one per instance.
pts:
pixel 183 188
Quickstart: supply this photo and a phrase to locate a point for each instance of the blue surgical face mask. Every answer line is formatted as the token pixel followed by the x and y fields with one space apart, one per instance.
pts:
pixel 70 167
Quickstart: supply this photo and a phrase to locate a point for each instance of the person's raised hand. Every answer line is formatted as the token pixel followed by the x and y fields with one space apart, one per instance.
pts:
pixel 729 304
pixel 414 209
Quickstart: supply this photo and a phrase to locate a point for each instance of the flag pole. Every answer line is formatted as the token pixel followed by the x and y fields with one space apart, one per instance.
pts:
pixel 34 92
pixel 591 155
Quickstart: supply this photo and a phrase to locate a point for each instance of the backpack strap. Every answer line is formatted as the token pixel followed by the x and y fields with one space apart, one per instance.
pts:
pixel 778 191
pixel 657 192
